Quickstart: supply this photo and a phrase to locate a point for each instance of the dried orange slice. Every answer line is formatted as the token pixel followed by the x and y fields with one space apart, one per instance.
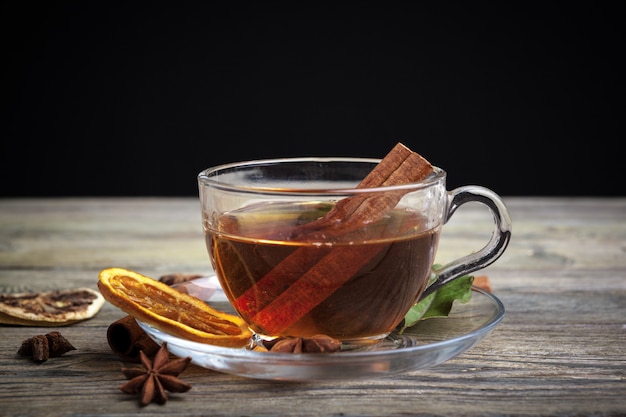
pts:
pixel 51 308
pixel 159 305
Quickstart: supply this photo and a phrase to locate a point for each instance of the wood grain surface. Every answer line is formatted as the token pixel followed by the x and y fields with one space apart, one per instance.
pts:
pixel 560 350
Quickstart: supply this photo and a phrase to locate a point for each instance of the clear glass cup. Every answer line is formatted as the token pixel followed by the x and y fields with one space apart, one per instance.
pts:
pixel 289 268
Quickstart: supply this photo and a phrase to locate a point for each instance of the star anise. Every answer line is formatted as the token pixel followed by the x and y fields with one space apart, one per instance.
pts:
pixel 315 344
pixel 158 376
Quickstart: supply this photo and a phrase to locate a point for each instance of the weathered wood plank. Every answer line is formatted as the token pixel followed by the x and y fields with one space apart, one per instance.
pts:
pixel 558 351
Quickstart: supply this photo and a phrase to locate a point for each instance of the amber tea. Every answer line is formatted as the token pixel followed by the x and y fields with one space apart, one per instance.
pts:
pixel 285 280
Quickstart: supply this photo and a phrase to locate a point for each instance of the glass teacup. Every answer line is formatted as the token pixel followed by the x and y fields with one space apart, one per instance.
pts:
pixel 290 271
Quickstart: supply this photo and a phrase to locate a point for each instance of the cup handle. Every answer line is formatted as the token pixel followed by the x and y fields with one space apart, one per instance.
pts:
pixel 490 252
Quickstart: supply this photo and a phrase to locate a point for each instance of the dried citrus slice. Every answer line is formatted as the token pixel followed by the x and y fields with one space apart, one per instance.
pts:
pixel 159 305
pixel 52 308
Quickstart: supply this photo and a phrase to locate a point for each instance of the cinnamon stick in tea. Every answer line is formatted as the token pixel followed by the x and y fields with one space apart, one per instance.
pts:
pixel 287 297
pixel 307 291
pixel 399 166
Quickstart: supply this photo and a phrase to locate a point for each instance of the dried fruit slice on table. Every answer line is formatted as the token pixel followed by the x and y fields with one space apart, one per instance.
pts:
pixel 53 308
pixel 174 312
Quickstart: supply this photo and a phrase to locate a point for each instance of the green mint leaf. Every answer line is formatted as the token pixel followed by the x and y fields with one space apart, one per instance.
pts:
pixel 459 289
pixel 416 312
pixel 439 303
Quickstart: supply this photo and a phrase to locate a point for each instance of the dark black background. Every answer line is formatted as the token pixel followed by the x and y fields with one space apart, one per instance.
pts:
pixel 135 98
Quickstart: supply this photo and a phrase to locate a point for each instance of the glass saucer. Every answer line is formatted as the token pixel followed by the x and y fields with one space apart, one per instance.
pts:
pixel 428 343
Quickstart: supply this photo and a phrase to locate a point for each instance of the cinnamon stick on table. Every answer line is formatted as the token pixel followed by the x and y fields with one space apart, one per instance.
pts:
pixel 326 270
pixel 126 339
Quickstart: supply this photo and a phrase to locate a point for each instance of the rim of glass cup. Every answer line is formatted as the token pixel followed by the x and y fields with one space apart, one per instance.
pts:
pixel 208 177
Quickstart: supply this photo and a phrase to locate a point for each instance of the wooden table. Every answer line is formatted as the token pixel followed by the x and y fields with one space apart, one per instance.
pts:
pixel 560 350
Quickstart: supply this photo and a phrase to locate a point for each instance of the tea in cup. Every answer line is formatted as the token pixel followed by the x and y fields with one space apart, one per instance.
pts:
pixel 337 246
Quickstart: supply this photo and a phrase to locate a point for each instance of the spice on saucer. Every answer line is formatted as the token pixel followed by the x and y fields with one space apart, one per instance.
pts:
pixel 178 278
pixel 315 344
